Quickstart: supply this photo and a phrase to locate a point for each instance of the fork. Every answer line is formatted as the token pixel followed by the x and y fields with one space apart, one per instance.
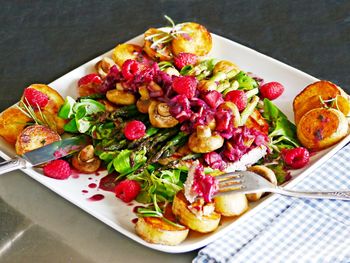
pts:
pixel 247 182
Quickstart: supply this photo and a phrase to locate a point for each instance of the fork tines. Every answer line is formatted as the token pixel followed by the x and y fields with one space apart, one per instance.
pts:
pixel 230 182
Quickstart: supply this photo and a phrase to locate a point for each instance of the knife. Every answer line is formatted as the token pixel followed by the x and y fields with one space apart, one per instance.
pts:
pixel 45 154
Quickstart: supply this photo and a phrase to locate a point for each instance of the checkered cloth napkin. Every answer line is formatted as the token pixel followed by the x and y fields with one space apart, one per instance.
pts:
pixel 291 229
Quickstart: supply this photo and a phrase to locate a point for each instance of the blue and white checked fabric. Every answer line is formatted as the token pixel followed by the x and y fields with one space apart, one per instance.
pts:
pixel 291 229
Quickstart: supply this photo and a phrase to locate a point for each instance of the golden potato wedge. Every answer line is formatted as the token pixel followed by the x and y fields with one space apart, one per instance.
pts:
pixel 161 52
pixel 34 137
pixel 325 89
pixel 197 40
pixel 320 128
pixel 258 122
pixel 12 122
pixel 52 107
pixel 123 52
pixel 231 204
pixel 55 99
pixel 155 230
pixel 265 172
pixel 340 102
pixel 202 224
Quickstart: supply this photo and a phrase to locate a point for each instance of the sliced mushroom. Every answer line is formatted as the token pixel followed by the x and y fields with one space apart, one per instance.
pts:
pixel 204 141
pixel 160 116
pixel 265 172
pixel 120 97
pixel 85 161
pixel 225 66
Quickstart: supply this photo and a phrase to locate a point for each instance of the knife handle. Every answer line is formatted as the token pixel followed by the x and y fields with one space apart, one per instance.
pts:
pixel 12 164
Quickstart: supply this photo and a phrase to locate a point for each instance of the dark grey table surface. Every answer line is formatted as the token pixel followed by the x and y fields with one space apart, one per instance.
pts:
pixel 42 40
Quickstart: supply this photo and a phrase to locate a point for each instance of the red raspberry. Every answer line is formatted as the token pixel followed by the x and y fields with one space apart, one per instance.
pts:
pixel 92 78
pixel 127 190
pixel 213 98
pixel 58 169
pixel 238 97
pixel 35 98
pixel 296 158
pixel 271 90
pixel 184 59
pixel 89 84
pixel 185 85
pixel 134 130
pixel 130 68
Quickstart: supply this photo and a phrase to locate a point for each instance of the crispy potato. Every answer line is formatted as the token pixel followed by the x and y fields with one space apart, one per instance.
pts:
pixel 34 137
pixel 202 224
pixel 155 230
pixel 120 97
pixel 158 54
pixel 325 89
pixel 197 40
pixel 320 128
pixel 258 122
pixel 341 103
pixel 12 122
pixel 231 204
pixel 50 111
pixel 123 52
pixel 55 99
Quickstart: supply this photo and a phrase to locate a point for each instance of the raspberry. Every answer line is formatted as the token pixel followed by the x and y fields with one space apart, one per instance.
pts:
pixel 35 98
pixel 296 158
pixel 213 98
pixel 89 84
pixel 90 79
pixel 58 169
pixel 127 190
pixel 238 97
pixel 130 68
pixel 185 85
pixel 134 130
pixel 184 59
pixel 271 90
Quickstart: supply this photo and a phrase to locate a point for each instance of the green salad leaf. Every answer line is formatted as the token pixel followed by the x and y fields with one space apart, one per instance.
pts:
pixel 282 132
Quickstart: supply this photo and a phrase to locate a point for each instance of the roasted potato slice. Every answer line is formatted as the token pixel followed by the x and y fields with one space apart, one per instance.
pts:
pixel 197 40
pixel 12 122
pixel 231 204
pixel 123 52
pixel 52 107
pixel 55 99
pixel 320 128
pixel 156 230
pixel 159 53
pixel 325 89
pixel 202 224
pixel 340 102
pixel 265 172
pixel 34 137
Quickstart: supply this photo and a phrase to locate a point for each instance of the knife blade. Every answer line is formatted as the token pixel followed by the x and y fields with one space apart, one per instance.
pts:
pixel 45 154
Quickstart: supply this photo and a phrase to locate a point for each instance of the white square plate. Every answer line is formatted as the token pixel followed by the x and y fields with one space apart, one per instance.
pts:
pixel 119 215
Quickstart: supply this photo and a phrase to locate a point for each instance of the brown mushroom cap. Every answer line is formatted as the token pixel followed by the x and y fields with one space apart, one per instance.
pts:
pixel 204 141
pixel 160 116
